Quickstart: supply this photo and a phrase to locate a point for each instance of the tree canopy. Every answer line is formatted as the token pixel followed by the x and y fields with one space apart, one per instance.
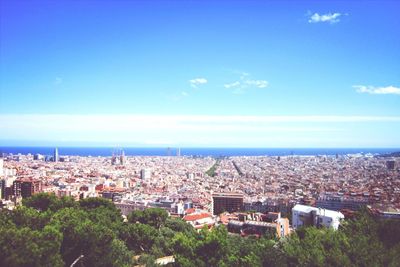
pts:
pixel 51 231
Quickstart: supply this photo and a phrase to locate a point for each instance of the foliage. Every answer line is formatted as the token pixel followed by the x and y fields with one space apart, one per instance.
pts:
pixel 139 237
pixel 212 171
pixel 44 202
pixel 27 247
pixel 155 217
pixel 48 231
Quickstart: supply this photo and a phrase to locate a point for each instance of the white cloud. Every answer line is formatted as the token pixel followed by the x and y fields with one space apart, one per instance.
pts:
pixel 197 81
pixel 244 83
pixel 377 90
pixel 329 18
pixel 232 85
pixel 184 93
pixel 257 83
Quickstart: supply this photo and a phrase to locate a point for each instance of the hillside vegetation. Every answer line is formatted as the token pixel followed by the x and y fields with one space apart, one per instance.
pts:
pixel 48 231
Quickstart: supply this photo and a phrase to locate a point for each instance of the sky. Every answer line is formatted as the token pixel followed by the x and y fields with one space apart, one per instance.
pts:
pixel 200 73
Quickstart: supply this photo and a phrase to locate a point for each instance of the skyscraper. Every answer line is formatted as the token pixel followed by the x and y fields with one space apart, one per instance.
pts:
pixel 55 156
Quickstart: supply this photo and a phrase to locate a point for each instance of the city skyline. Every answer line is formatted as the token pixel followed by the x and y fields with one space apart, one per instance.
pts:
pixel 227 74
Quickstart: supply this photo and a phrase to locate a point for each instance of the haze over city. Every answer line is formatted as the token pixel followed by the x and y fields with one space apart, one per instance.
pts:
pixel 200 73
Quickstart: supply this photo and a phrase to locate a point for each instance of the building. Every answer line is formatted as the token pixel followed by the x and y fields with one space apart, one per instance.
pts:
pixel 118 157
pixel 26 188
pixel 199 219
pixel 306 215
pixel 1 165
pixel 122 159
pixel 341 202
pixel 145 174
pixel 127 207
pixel 55 156
pixel 390 164
pixel 38 157
pixel 259 224
pixel 230 202
pixel 2 188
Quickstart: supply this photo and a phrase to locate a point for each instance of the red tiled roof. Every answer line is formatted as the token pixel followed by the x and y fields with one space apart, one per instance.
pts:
pixel 191 210
pixel 195 217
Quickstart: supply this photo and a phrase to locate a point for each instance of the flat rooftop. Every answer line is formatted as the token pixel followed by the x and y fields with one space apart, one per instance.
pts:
pixel 235 195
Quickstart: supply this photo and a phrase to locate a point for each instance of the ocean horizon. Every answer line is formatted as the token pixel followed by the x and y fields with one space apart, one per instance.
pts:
pixel 191 151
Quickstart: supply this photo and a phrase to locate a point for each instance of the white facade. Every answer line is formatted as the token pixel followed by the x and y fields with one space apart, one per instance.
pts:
pixel 306 215
pixel 145 174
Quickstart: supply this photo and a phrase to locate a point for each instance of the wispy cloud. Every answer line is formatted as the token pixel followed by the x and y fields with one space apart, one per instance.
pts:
pixel 377 90
pixel 197 81
pixel 329 18
pixel 232 85
pixel 244 83
pixel 257 83
pixel 177 96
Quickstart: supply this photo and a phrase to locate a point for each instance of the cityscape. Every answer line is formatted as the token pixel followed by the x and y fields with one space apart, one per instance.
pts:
pixel 199 133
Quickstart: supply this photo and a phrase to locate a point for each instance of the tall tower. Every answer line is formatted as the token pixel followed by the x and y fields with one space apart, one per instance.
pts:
pixel 122 158
pixel 178 152
pixel 55 156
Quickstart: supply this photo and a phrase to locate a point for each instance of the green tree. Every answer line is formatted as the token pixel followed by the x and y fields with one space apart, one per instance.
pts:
pixel 46 201
pixel 155 217
pixel 135 216
pixel 96 202
pixel 366 248
pixel 213 246
pixel 317 247
pixel 29 217
pixel 27 247
pixel 85 237
pixel 184 250
pixel 179 225
pixel 139 237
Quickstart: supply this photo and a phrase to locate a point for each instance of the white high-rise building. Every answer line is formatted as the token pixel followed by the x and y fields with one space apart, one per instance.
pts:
pixel 306 215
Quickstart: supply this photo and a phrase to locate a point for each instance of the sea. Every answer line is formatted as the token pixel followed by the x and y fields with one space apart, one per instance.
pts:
pixel 190 151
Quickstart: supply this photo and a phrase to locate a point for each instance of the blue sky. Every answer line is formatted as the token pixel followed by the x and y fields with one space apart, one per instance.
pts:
pixel 199 73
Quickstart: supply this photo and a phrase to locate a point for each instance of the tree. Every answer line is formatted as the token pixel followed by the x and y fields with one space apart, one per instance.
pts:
pixel 155 217
pixel 138 237
pixel 135 216
pixel 362 232
pixel 46 201
pixel 85 237
pixel 29 217
pixel 179 225
pixel 96 202
pixel 27 247
pixel 213 246
pixel 184 250
pixel 317 247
